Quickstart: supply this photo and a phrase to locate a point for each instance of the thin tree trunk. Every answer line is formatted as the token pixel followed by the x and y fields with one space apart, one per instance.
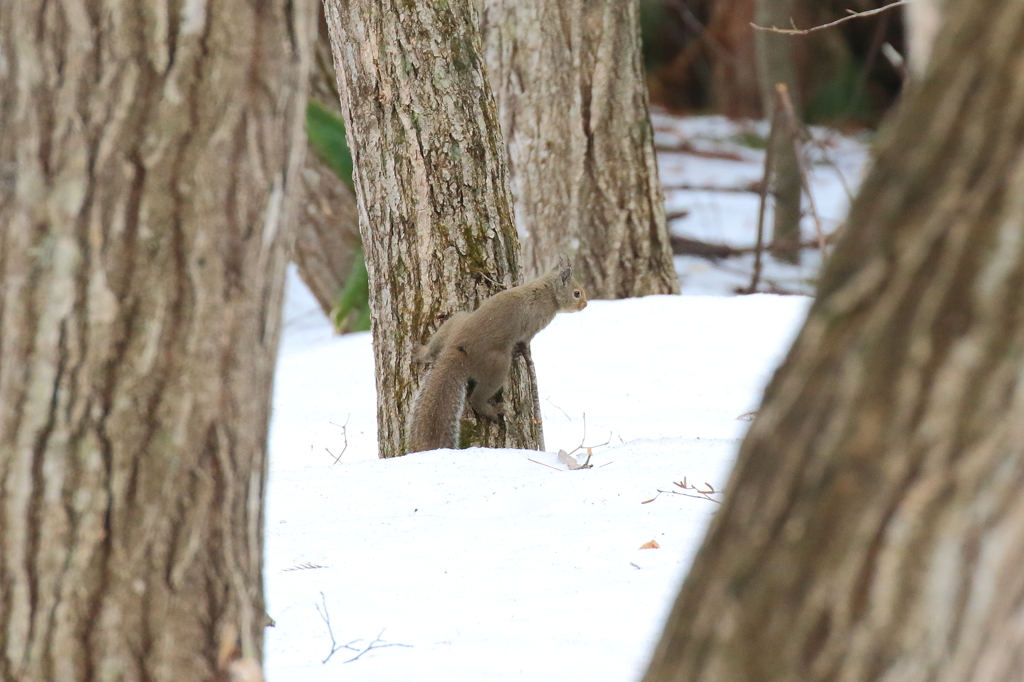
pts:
pixel 435 210
pixel 569 82
pixel 874 526
pixel 148 160
pixel 775 61
pixel 327 226
pixel 326 232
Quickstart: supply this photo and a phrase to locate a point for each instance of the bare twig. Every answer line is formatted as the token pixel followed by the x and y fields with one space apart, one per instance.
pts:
pixel 828 161
pixel 752 188
pixel 588 447
pixel 543 464
pixel 377 644
pixel 689 489
pixel 684 147
pixel 303 567
pixel 560 410
pixel 852 15
pixel 335 647
pixel 759 247
pixel 344 434
pixel 687 246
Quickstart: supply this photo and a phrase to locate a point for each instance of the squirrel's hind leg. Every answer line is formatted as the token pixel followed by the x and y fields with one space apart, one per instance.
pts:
pixel 488 381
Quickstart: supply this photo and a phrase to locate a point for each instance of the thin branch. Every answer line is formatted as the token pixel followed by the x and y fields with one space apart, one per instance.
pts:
pixel 686 246
pixel 560 409
pixel 768 161
pixel 853 15
pixel 752 188
pixel 543 464
pixel 344 434
pixel 689 488
pixel 335 647
pixel 377 644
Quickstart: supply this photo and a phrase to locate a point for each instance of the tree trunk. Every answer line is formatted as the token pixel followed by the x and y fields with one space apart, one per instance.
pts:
pixel 569 83
pixel 874 528
pixel 923 19
pixel 327 227
pixel 326 233
pixel 146 167
pixel 435 211
pixel 775 60
pixel 734 84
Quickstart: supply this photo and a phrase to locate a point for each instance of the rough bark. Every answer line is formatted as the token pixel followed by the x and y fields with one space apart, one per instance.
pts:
pixel 569 83
pixel 873 528
pixel 435 210
pixel 775 65
pixel 327 226
pixel 923 19
pixel 146 165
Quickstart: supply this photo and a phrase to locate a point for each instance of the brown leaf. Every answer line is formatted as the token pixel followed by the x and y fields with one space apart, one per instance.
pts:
pixel 653 544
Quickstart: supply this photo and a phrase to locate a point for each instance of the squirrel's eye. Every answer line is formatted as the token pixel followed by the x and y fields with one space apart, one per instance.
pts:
pixel 576 293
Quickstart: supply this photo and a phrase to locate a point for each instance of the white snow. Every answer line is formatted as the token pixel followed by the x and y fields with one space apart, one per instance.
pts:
pixel 483 564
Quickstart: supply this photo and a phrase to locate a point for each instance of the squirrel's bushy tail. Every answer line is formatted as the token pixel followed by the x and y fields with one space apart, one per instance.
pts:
pixel 437 409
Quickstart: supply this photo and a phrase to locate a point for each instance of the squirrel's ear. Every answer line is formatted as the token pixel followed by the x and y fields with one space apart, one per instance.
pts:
pixel 566 274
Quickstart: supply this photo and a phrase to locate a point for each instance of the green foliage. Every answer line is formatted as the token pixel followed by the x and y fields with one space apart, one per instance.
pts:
pixel 839 99
pixel 326 134
pixel 661 37
pixel 353 297
pixel 749 138
pixel 327 137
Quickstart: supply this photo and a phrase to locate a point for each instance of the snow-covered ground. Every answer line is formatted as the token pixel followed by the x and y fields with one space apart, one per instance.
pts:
pixel 712 178
pixel 503 564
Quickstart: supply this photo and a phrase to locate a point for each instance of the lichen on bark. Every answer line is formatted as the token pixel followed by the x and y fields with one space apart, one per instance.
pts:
pixel 435 211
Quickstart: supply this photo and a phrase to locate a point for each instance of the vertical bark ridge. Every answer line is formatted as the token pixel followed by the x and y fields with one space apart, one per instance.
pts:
pixel 131 324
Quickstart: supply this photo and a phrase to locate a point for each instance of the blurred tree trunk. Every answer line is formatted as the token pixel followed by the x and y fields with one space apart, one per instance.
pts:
pixel 435 210
pixel 569 84
pixel 327 229
pixel 735 87
pixel 775 65
pixel 873 528
pixel 147 167
pixel 923 20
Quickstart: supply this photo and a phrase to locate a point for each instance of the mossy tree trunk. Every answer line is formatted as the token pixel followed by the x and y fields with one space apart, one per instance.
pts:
pixel 568 78
pixel 147 161
pixel 873 528
pixel 435 210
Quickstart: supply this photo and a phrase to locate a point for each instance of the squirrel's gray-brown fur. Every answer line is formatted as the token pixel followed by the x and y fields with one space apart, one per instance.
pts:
pixel 478 347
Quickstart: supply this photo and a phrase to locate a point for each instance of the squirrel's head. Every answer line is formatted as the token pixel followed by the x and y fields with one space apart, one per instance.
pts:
pixel 568 292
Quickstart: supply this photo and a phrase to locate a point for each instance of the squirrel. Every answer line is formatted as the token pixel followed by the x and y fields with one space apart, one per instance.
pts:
pixel 478 347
